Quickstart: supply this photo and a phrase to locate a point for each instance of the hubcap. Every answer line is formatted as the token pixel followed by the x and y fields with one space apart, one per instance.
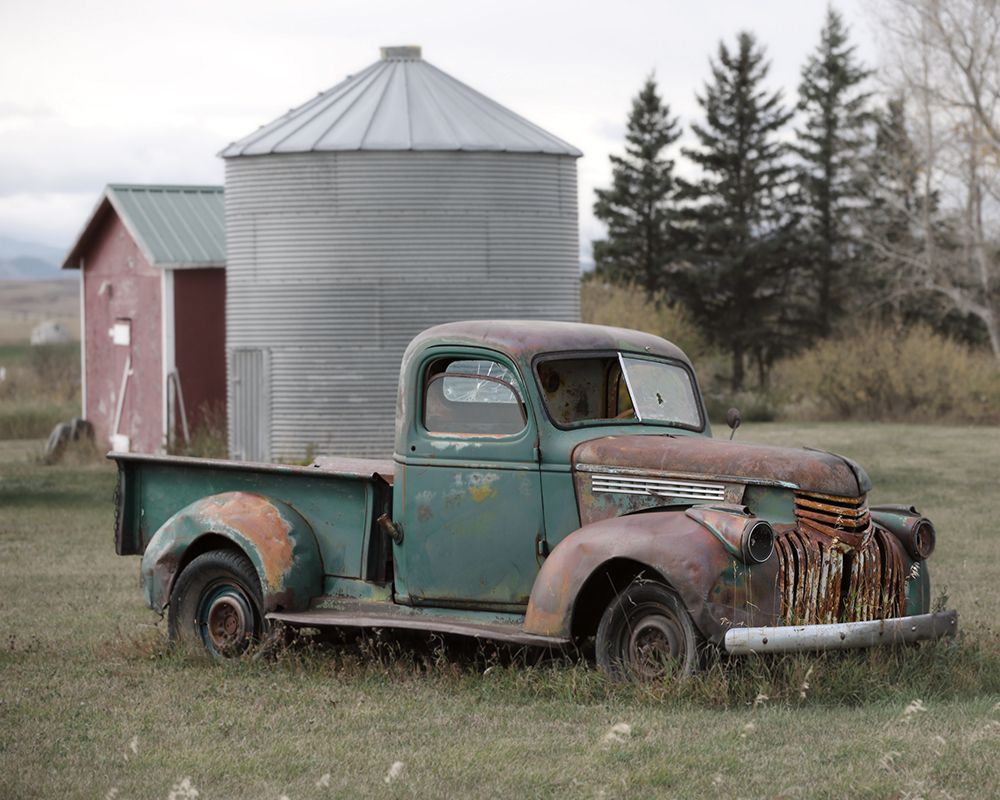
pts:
pixel 655 645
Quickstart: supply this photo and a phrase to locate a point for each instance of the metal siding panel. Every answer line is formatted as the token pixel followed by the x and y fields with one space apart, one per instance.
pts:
pixel 336 260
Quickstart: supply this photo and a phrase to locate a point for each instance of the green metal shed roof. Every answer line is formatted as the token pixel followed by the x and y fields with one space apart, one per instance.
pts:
pixel 175 226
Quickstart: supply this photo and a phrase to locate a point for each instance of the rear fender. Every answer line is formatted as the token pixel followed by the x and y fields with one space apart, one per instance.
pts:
pixel 717 588
pixel 273 535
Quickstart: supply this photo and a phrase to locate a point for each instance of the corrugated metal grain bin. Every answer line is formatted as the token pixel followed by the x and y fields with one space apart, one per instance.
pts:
pixel 397 200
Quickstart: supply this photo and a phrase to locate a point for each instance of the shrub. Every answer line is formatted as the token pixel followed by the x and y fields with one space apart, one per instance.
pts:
pixel 878 373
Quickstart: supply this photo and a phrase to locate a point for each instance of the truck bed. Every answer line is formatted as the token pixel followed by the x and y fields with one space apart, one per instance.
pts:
pixel 340 498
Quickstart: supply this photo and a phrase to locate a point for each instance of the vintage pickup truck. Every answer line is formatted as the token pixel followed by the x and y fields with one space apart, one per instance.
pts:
pixel 552 484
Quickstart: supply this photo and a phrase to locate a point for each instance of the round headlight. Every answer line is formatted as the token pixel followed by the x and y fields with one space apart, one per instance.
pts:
pixel 758 542
pixel 924 539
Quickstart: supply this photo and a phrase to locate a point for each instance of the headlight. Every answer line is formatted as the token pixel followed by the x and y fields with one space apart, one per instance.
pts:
pixel 758 542
pixel 915 533
pixel 922 540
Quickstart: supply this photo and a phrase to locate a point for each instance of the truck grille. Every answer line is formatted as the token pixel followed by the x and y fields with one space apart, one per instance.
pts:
pixel 835 566
pixel 833 514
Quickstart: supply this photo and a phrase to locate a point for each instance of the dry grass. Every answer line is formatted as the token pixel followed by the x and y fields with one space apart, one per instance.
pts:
pixel 23 304
pixel 41 388
pixel 91 699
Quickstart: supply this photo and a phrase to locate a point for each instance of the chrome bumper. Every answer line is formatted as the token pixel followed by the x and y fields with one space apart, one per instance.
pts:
pixel 841 635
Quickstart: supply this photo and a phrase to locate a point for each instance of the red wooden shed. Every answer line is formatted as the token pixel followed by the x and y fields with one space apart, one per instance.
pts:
pixel 152 304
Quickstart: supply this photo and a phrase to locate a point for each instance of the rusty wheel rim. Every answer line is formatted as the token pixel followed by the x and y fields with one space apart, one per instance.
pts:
pixel 226 620
pixel 655 646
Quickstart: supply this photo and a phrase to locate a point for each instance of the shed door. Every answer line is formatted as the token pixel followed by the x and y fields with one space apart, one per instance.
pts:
pixel 250 390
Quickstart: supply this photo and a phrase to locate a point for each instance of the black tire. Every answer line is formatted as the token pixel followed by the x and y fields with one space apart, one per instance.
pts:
pixel 216 604
pixel 646 634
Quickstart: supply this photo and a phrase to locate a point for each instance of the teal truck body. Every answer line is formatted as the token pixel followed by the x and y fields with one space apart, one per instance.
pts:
pixel 551 484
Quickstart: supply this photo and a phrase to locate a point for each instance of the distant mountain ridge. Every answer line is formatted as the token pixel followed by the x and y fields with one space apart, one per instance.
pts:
pixel 31 261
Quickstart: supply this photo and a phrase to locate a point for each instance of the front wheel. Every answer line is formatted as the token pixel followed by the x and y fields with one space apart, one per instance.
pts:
pixel 646 634
pixel 216 604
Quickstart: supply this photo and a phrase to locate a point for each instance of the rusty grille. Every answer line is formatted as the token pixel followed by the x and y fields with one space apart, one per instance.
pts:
pixel 836 566
pixel 833 513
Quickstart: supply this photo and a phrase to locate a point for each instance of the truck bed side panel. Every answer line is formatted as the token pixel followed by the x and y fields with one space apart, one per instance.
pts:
pixel 340 509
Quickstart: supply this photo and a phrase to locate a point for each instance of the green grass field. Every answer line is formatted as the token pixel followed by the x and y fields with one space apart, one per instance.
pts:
pixel 93 704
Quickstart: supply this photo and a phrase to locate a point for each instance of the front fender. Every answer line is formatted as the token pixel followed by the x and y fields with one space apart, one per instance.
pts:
pixel 273 535
pixel 717 588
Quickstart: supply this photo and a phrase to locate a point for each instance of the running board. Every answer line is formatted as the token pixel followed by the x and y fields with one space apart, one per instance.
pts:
pixel 384 615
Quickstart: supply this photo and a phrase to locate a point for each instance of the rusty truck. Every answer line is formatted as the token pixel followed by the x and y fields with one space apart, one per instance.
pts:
pixel 552 484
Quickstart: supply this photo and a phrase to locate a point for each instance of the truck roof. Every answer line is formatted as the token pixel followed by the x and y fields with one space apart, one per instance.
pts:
pixel 522 339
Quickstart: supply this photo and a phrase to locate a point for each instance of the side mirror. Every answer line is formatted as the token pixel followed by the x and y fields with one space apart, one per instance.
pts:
pixel 733 419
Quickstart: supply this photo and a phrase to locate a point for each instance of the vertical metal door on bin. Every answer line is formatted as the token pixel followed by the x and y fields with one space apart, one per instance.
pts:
pixel 250 384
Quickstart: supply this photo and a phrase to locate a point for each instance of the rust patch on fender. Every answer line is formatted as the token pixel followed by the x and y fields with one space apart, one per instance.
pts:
pixel 257 519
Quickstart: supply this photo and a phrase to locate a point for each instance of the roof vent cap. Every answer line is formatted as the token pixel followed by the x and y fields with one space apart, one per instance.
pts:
pixel 410 52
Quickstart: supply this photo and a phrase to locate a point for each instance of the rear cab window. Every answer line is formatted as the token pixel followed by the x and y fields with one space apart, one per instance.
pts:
pixel 472 397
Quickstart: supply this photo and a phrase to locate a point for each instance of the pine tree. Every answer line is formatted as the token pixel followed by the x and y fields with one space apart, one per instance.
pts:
pixel 832 145
pixel 639 207
pixel 893 195
pixel 740 279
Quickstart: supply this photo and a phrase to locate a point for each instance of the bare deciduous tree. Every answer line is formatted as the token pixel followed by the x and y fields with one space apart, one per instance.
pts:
pixel 945 60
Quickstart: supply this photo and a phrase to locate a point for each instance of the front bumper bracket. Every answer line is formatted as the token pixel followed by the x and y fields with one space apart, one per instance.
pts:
pixel 841 635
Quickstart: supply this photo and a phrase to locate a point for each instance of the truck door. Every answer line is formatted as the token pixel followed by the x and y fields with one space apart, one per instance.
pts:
pixel 470 500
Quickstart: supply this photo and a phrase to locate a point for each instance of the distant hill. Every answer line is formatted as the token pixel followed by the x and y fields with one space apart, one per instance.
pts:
pixel 31 261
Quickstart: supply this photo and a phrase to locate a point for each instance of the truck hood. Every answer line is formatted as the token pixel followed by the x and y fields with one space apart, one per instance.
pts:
pixel 734 462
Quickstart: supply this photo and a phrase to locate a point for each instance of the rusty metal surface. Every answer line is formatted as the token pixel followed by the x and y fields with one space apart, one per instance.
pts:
pixel 835 565
pixel 355 614
pixel 717 460
pixel 276 539
pixel 717 589
pixel 523 339
pixel 913 530
pixel 357 467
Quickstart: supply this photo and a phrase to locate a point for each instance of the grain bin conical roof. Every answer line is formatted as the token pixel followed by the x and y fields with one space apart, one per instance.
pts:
pixel 400 102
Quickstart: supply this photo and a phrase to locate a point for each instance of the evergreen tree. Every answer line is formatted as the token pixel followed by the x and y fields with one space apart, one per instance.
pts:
pixel 893 174
pixel 832 146
pixel 639 207
pixel 740 277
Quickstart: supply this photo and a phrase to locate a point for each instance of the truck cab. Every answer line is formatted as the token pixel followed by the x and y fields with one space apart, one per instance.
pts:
pixel 551 484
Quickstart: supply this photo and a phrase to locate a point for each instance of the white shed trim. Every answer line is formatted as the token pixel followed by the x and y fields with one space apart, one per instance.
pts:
pixel 168 356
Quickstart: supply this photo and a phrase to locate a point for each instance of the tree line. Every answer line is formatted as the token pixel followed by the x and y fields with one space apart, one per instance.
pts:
pixel 849 205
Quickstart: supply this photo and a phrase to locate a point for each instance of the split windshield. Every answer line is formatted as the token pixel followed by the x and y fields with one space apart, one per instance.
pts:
pixel 617 387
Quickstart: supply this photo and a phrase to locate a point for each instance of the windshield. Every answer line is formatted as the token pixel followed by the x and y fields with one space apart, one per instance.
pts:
pixel 610 387
pixel 661 392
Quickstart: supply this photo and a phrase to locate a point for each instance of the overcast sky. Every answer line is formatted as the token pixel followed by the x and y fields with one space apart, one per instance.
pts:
pixel 148 92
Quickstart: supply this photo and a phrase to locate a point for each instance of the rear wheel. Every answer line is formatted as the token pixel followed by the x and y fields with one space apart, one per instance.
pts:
pixel 216 604
pixel 646 634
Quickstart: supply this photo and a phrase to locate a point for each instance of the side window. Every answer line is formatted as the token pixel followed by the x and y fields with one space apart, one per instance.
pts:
pixel 468 396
